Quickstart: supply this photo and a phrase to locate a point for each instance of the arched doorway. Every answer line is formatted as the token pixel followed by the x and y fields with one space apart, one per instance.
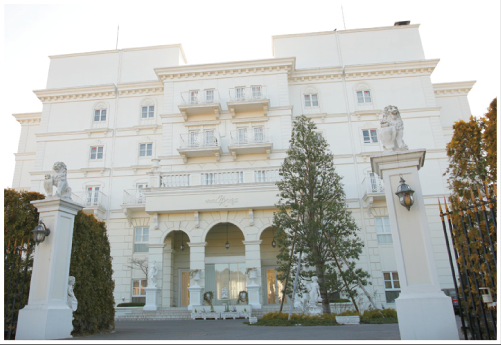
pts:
pixel 176 272
pixel 225 263
pixel 272 287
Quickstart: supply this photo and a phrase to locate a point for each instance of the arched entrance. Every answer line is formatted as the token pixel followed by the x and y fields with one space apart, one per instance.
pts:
pixel 176 270
pixel 225 263
pixel 272 287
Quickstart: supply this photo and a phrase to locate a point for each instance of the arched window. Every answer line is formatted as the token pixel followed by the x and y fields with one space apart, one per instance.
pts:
pixel 147 109
pixel 310 98
pixel 100 113
pixel 363 94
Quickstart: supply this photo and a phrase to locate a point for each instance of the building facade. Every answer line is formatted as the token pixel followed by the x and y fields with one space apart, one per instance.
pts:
pixel 181 160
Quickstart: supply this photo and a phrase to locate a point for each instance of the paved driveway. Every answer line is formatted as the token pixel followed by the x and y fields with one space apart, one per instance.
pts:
pixel 236 330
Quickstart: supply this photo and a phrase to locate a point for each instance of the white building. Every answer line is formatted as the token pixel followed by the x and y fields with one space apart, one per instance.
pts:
pixel 180 159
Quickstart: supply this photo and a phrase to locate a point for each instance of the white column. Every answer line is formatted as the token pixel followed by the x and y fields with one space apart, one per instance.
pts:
pixel 168 279
pixel 253 260
pixel 197 261
pixel 47 315
pixel 424 311
pixel 153 292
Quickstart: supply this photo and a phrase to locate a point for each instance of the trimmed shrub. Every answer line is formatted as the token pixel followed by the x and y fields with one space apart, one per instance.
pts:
pixel 91 267
pixel 379 316
pixel 389 312
pixel 339 300
pixel 349 312
pixel 281 319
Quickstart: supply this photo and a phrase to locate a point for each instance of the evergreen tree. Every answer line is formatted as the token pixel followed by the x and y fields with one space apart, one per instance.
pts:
pixel 312 219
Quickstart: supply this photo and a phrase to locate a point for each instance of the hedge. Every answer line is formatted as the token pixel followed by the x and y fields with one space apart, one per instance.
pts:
pixel 90 260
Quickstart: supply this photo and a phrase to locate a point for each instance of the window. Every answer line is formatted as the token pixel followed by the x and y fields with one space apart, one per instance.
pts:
pixel 209 138
pixel 240 92
pixel 194 97
pixel 147 112
pixel 96 152
pixel 391 286
pixel 92 196
pixel 209 96
pixel 193 138
pixel 138 293
pixel 140 196
pixel 370 136
pixel 99 115
pixel 258 134
pixel 256 92
pixel 242 135
pixel 141 239
pixel 383 230
pixel 311 100
pixel 364 96
pixel 145 150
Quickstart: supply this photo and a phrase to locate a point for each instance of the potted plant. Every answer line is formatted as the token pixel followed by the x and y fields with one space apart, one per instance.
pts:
pixel 195 314
pixel 195 274
pixel 230 314
pixel 252 273
pixel 208 296
pixel 245 314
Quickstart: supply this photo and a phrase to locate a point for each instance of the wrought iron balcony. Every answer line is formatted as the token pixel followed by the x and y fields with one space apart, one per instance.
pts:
pixel 133 197
pixel 249 141
pixel 248 99
pixel 200 144
pixel 199 102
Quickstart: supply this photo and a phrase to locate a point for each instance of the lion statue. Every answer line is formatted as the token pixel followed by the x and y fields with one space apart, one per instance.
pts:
pixel 392 130
pixel 59 181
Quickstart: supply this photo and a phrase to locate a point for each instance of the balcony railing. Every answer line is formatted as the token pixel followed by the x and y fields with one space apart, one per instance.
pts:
pixel 175 180
pixel 253 93
pixel 249 136
pixel 91 199
pixel 223 177
pixel 200 97
pixel 373 184
pixel 267 175
pixel 133 197
pixel 199 139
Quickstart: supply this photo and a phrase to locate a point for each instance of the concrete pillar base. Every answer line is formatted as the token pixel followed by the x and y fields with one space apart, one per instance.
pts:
pixel 426 316
pixel 152 298
pixel 253 291
pixel 195 296
pixel 36 323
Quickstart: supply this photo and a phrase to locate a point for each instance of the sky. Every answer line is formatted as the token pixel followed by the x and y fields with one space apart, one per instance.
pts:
pixel 464 35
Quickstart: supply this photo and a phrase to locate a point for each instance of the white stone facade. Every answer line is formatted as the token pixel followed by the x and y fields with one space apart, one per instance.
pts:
pixel 191 152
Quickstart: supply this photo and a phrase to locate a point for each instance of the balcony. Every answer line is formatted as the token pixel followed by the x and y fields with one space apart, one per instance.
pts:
pixel 250 141
pixel 200 144
pixel 200 102
pixel 373 189
pixel 94 202
pixel 248 99
pixel 133 197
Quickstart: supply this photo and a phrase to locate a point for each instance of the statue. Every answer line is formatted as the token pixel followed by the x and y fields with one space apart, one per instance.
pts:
pixel 224 293
pixel 59 181
pixel 71 300
pixel 314 292
pixel 152 274
pixel 392 130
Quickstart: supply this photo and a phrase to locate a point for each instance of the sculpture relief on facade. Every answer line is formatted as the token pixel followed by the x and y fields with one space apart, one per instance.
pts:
pixel 72 300
pixel 59 180
pixel 392 130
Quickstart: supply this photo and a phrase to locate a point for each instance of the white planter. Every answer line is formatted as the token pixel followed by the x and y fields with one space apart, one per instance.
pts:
pixel 196 316
pixel 244 314
pixel 229 315
pixel 211 315
pixel 348 320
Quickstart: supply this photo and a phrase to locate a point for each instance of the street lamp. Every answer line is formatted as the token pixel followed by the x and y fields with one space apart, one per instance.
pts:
pixel 405 194
pixel 227 245
pixel 40 232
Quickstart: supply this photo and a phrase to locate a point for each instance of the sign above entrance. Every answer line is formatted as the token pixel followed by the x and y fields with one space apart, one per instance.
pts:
pixel 222 200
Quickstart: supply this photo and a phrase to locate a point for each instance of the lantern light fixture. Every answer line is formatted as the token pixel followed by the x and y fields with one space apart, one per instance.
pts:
pixel 227 245
pixel 40 232
pixel 273 243
pixel 405 194
pixel 182 244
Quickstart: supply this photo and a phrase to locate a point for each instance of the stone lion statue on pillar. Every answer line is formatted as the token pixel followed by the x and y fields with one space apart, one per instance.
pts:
pixel 392 130
pixel 58 180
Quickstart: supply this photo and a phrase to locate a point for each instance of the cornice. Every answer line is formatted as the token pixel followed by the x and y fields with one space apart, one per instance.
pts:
pixel 141 88
pixel 28 118
pixel 461 88
pixel 202 123
pixel 226 69
pixel 387 70
pixel 105 91
pixel 138 128
pixel 53 134
pixel 24 154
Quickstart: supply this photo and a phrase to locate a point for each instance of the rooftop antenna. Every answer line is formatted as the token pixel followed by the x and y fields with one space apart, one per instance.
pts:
pixel 343 17
pixel 118 28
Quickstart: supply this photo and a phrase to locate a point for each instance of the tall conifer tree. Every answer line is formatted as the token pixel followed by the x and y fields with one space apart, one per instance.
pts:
pixel 312 218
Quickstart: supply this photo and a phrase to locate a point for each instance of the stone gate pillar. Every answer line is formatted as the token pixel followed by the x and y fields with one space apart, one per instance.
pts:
pixel 47 314
pixel 424 311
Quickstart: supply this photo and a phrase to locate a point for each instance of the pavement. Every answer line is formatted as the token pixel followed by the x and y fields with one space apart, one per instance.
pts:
pixel 232 330
pixel 176 330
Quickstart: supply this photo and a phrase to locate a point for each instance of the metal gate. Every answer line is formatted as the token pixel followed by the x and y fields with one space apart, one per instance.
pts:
pixel 18 264
pixel 471 224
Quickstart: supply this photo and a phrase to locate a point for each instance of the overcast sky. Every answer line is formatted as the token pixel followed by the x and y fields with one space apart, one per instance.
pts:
pixel 464 35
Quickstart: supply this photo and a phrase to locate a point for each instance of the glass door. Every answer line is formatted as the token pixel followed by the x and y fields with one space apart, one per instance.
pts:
pixel 274 287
